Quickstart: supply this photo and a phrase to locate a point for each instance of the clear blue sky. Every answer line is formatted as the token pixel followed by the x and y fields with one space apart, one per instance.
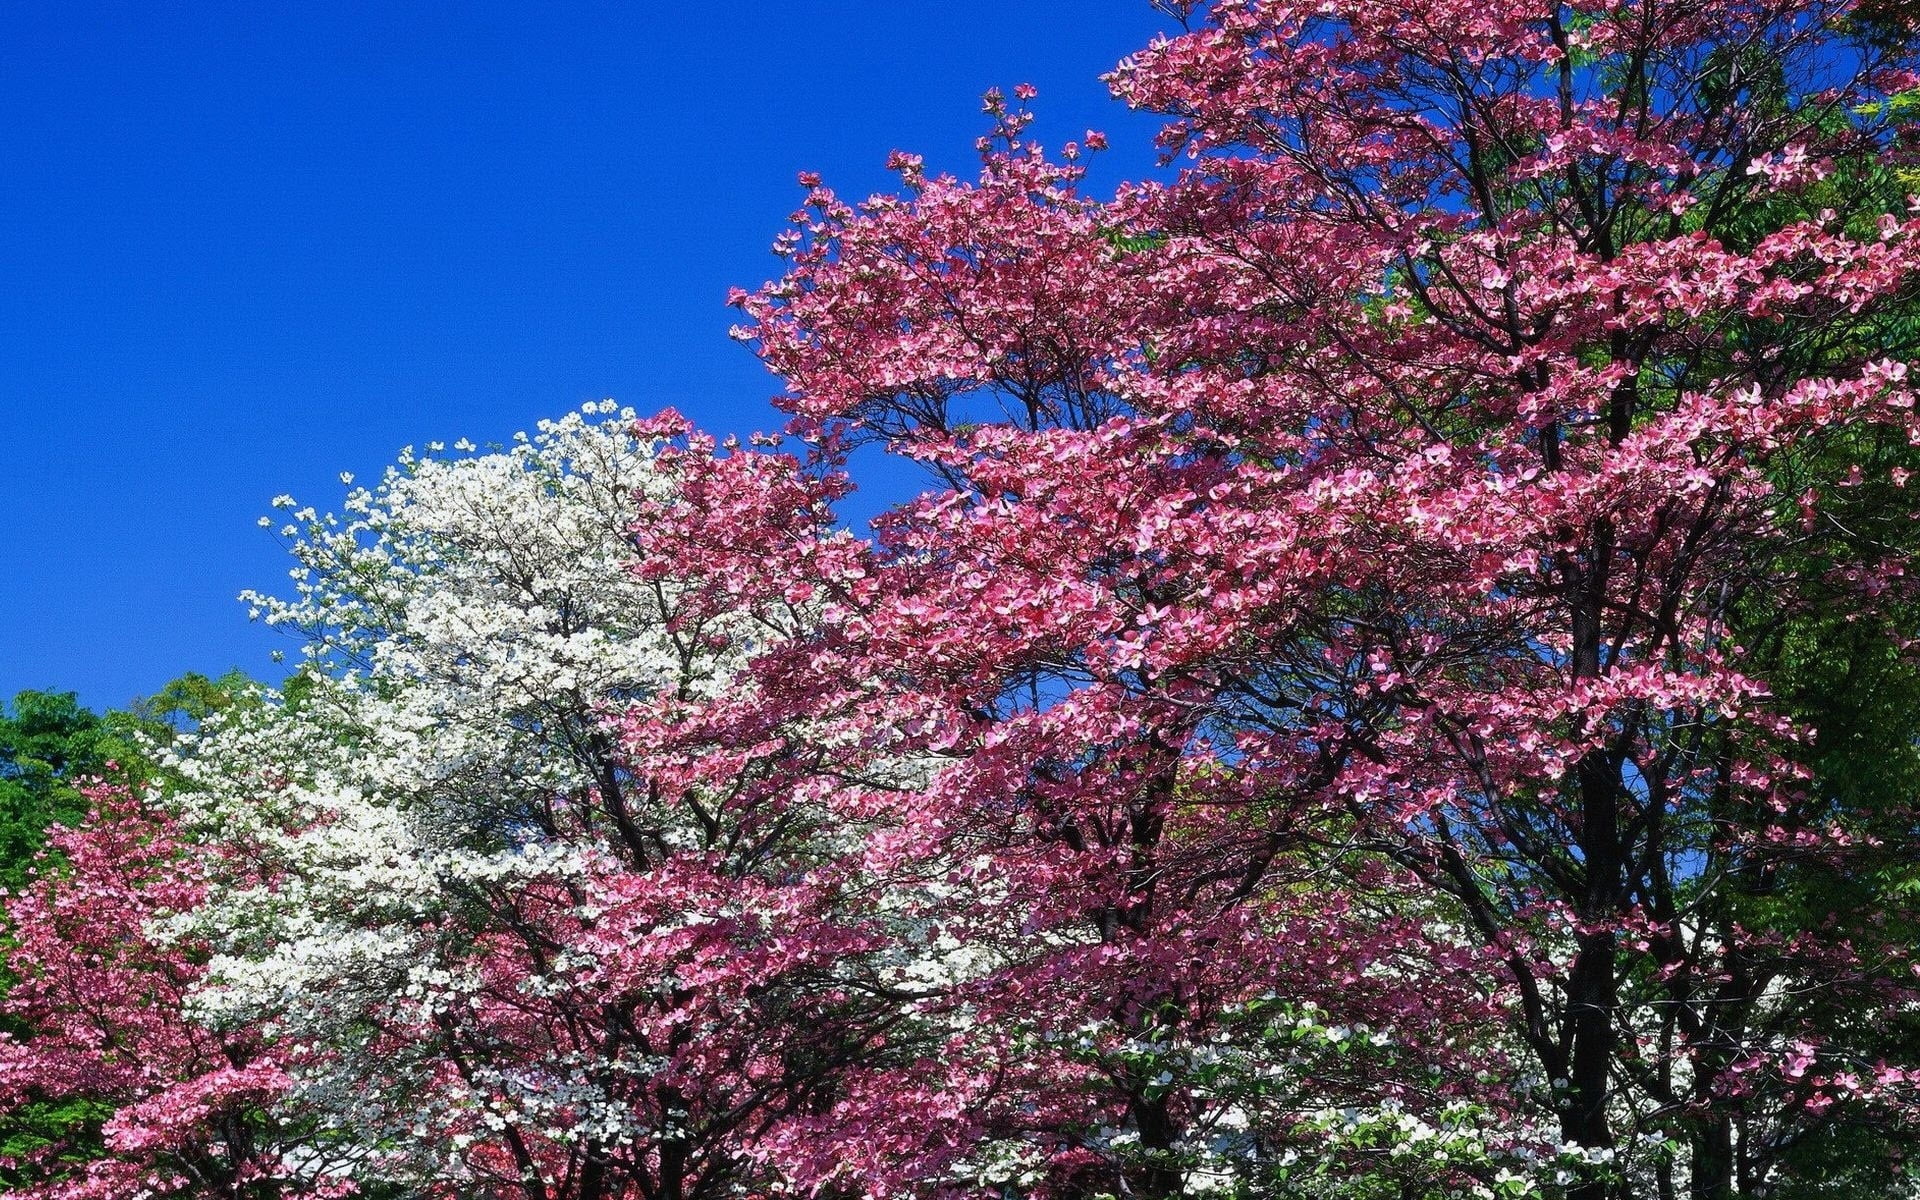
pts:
pixel 248 246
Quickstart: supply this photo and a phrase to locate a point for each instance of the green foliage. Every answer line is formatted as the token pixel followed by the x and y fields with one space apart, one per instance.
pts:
pixel 1133 243
pixel 41 1123
pixel 185 702
pixel 1855 682
pixel 50 747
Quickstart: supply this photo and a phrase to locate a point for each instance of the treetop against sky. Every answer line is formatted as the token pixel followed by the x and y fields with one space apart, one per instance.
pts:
pixel 250 247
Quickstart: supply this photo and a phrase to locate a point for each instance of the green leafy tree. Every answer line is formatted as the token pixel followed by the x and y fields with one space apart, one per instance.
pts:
pixel 50 744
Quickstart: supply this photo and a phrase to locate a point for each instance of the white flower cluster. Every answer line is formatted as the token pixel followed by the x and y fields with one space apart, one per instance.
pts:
pixel 1257 1088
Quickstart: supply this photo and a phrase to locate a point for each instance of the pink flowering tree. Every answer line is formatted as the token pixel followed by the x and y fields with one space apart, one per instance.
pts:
pixel 1367 540
pixel 1106 977
pixel 129 1095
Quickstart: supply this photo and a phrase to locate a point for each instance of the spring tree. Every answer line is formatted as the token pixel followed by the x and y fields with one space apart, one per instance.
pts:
pixel 1386 497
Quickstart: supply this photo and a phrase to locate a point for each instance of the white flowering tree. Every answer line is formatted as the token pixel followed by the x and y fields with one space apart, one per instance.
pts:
pixel 500 953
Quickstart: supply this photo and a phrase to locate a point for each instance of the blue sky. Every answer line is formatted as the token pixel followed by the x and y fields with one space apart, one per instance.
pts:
pixel 246 247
